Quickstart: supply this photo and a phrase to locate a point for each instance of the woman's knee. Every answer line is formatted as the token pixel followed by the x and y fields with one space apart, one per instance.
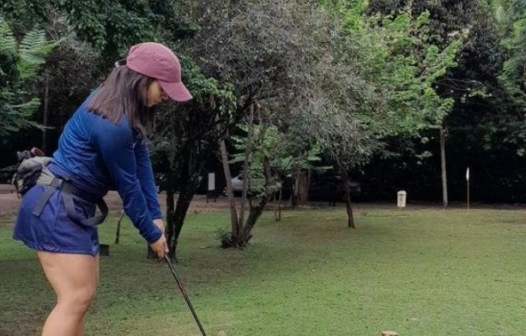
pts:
pixel 78 301
pixel 74 279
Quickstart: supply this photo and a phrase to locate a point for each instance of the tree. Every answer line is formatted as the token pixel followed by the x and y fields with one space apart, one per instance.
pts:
pixel 113 26
pixel 101 33
pixel 472 84
pixel 20 63
pixel 400 68
pixel 71 72
pixel 263 49
pixel 297 157
pixel 186 138
pixel 514 71
pixel 335 99
pixel 274 154
pixel 258 175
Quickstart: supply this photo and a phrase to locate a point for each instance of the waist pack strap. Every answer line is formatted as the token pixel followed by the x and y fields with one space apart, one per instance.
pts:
pixel 92 221
pixel 68 190
pixel 55 184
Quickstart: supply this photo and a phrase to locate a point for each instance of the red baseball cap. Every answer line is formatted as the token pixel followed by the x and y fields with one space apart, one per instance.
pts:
pixel 157 61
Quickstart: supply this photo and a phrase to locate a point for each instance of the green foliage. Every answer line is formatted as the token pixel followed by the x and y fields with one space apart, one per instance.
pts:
pixel 405 69
pixel 265 139
pixel 193 128
pixel 24 15
pixel 110 26
pixel 514 72
pixel 287 152
pixel 293 154
pixel 32 52
pixel 7 39
pixel 203 87
pixel 350 10
pixel 391 55
pixel 113 26
pixel 18 71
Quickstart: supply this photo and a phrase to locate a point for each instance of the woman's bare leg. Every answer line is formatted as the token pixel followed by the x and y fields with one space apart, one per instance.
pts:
pixel 74 279
pixel 80 330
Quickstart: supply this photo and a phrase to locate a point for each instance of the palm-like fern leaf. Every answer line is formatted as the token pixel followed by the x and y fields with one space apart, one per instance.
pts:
pixel 32 51
pixel 7 39
pixel 16 102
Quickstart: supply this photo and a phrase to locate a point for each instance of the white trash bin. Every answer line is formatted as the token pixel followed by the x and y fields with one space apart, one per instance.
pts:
pixel 402 199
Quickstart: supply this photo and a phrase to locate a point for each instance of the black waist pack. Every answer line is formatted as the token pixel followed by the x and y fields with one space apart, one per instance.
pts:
pixel 34 170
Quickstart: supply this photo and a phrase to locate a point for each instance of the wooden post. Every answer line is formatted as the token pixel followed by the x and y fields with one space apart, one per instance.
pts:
pixel 468 189
pixel 443 135
pixel 468 198
pixel 389 333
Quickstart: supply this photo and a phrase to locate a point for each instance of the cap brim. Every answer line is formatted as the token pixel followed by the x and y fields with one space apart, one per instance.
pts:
pixel 176 91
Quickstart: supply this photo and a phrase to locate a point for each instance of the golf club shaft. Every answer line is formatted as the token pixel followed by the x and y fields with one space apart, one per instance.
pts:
pixel 169 262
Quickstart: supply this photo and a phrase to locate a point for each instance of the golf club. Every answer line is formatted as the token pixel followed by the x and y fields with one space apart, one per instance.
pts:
pixel 169 262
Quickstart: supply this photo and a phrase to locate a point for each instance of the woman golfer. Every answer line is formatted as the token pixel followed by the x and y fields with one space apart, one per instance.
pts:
pixel 102 146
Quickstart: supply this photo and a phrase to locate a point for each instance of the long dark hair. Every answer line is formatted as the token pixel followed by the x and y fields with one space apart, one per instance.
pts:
pixel 125 92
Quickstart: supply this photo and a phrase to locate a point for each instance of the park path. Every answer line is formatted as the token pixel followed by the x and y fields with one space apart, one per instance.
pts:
pixel 9 202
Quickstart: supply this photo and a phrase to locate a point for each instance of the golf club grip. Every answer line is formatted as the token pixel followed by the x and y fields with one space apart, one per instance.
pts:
pixel 187 299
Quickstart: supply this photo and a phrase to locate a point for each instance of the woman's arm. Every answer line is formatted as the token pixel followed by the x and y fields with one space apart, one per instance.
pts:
pixel 146 178
pixel 115 143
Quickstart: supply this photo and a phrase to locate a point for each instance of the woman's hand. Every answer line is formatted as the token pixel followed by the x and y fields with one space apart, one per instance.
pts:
pixel 160 247
pixel 160 224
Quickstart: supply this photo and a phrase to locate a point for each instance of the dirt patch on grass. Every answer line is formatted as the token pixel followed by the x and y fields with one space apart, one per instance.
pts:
pixel 9 203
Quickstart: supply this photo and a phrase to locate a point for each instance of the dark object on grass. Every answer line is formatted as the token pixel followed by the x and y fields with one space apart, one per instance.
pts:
pixel 169 262
pixel 104 250
pixel 118 233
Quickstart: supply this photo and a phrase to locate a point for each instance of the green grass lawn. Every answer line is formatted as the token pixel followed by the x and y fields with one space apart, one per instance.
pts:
pixel 421 273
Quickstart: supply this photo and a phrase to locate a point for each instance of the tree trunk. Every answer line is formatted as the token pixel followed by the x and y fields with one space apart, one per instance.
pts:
pixel 347 190
pixel 246 177
pixel 279 203
pixel 300 190
pixel 169 225
pixel 191 169
pixel 295 188
pixel 170 212
pixel 183 203
pixel 230 192
pixel 304 185
pixel 443 135
pixel 257 210
pixel 277 206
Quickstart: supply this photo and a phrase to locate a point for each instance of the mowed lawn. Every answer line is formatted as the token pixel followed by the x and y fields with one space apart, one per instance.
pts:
pixel 421 273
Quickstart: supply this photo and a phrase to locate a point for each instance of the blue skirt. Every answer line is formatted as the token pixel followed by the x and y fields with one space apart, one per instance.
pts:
pixel 53 230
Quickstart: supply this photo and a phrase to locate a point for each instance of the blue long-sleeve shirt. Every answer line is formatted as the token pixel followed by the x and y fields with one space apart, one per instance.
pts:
pixel 97 154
